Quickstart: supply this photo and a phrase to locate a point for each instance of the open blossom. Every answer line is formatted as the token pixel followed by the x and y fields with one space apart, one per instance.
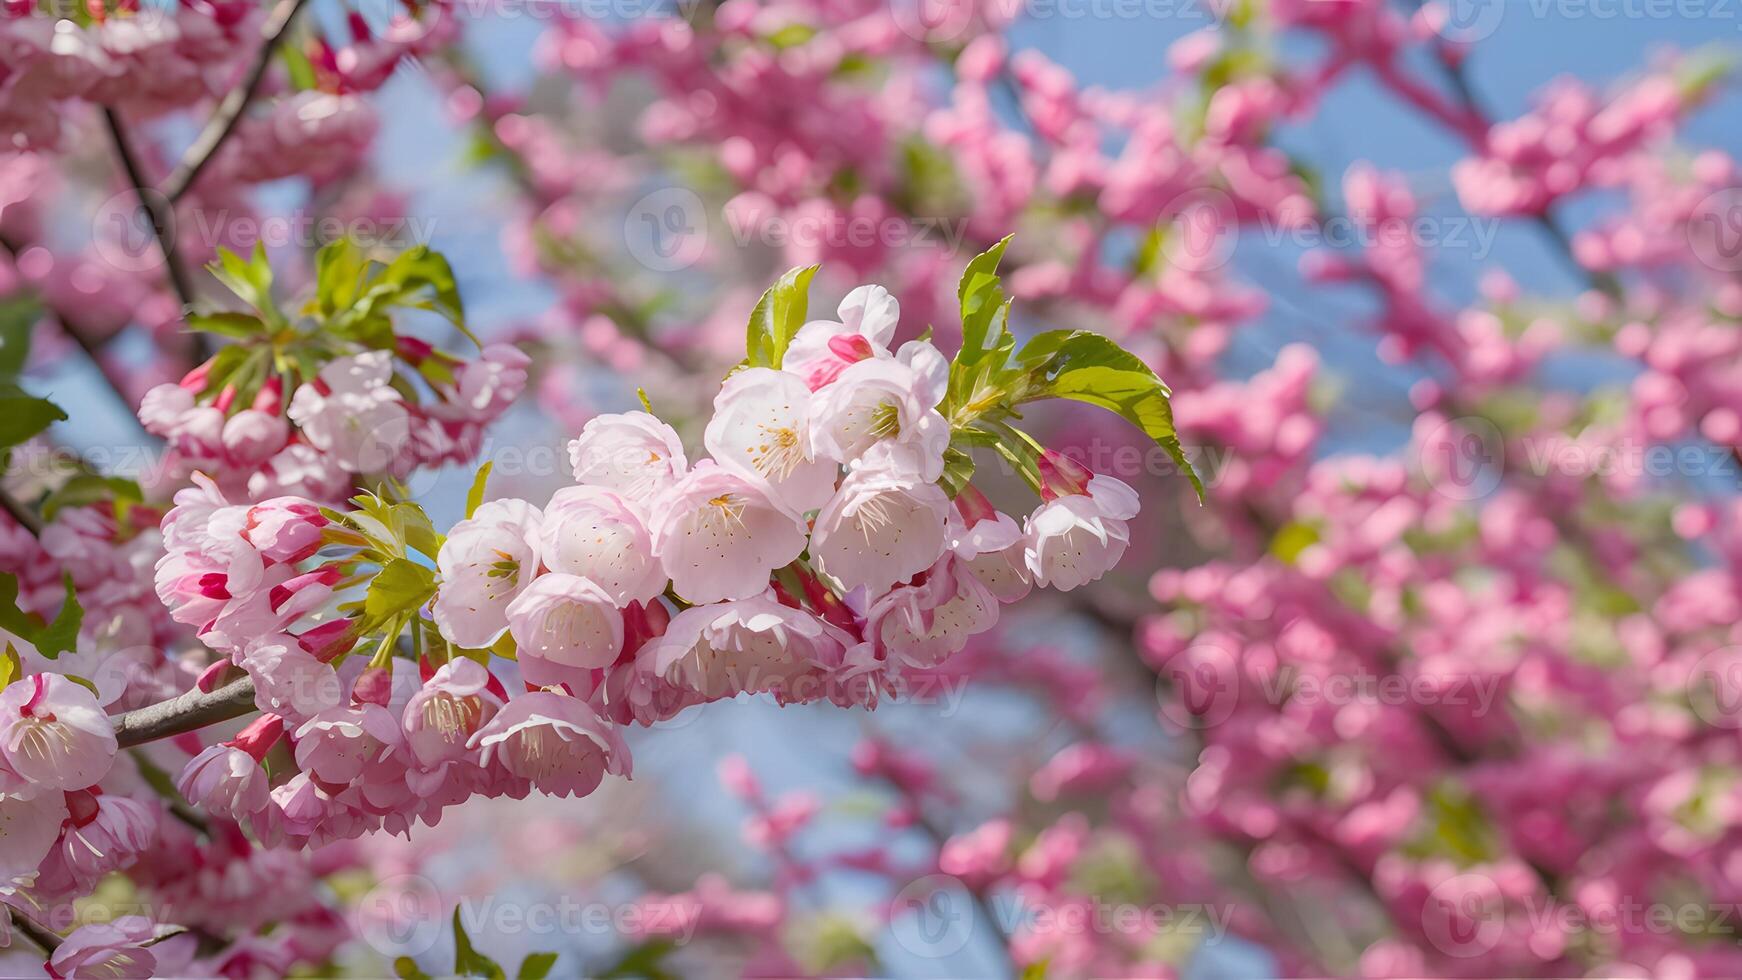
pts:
pixel 224 780
pixel 885 524
pixel 103 832
pixel 632 453
pixel 1074 539
pixel 285 529
pixel 822 349
pixel 879 400
pixel 923 623
pixel 991 544
pixel 718 536
pixel 450 707
pixel 29 826
pixel 566 621
pixel 761 428
pixel 288 679
pixel 53 734
pixel 746 646
pixel 597 534
pixel 484 388
pixel 353 412
pixel 338 745
pixel 555 741
pixel 486 561
pixel 125 947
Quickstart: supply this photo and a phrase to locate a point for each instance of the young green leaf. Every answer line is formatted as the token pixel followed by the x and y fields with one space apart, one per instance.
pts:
pixel 228 324
pixel 777 317
pixel 1087 367
pixel 23 415
pixel 62 634
pixel 536 966
pixel 402 585
pixel 475 496
pixel 249 279
pixel 468 962
pixel 18 314
pixel 88 488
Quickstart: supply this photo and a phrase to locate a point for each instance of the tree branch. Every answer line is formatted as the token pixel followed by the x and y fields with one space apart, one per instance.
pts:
pixel 21 513
pixel 157 207
pixel 186 712
pixel 229 112
pixel 33 930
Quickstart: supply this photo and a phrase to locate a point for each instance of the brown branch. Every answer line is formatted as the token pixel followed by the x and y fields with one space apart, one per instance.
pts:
pixel 189 711
pixel 44 937
pixel 157 208
pixel 229 112
pixel 21 513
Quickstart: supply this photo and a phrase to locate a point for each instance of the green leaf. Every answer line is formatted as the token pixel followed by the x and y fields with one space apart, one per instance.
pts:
pixel 958 470
pixel 1291 539
pixel 62 634
pixel 468 962
pixel 250 279
pixel 88 488
pixel 646 960
pixel 536 966
pixel 406 968
pixel 475 496
pixel 11 667
pixel 415 525
pixel 18 314
pixel 51 640
pixel 23 415
pixel 228 324
pixel 976 372
pixel 401 585
pixel 1087 367
pixel 355 292
pixel 981 293
pixel 777 317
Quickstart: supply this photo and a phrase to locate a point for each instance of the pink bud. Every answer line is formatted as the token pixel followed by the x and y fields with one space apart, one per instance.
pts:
pixel 259 737
pixel 374 686
pixel 1061 476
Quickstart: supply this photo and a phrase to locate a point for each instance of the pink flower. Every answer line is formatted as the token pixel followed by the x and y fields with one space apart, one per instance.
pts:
pixel 103 832
pixel 486 561
pixel 633 453
pixel 441 718
pixel 484 388
pixel 285 529
pixel 29 827
pixel 822 349
pixel 718 536
pixel 225 781
pixel 597 534
pixel 555 741
pixel 761 429
pixel 885 400
pixel 991 544
pixel 127 947
pixel 924 623
pixel 1074 539
pixel 54 734
pixel 338 745
pixel 288 680
pixel 565 620
pixel 747 646
pixel 885 525
pixel 353 413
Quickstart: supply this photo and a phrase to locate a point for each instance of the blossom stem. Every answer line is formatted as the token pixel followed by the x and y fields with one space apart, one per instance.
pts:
pixel 186 712
pixel 21 513
pixel 33 930
pixel 229 111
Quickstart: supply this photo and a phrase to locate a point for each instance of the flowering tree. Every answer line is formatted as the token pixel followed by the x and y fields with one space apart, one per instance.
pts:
pixel 1457 704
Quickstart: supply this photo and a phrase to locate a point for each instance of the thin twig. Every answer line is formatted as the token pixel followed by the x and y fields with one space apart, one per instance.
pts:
pixel 21 513
pixel 186 712
pixel 229 111
pixel 157 208
pixel 36 932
